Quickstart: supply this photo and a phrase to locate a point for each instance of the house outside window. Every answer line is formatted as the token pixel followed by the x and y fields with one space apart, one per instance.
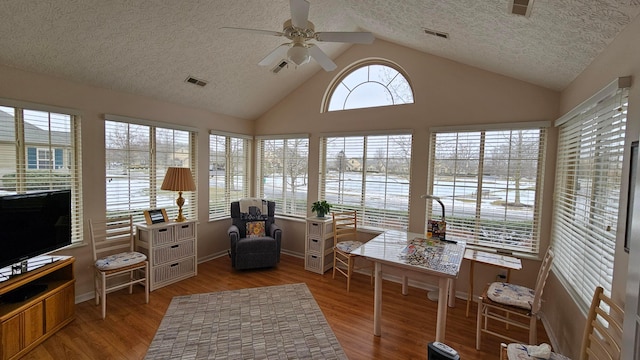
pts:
pixel 40 150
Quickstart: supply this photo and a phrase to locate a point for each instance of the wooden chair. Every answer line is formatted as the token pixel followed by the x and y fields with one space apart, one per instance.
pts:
pixel 345 234
pixel 602 337
pixel 114 256
pixel 514 305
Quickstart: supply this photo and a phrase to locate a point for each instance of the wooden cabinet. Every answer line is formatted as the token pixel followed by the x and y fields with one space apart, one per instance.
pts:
pixel 25 324
pixel 171 249
pixel 318 247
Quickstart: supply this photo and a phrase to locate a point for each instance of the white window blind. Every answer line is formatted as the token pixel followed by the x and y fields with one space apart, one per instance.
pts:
pixel 40 150
pixel 370 174
pixel 282 168
pixel 137 158
pixel 490 181
pixel 229 161
pixel 587 194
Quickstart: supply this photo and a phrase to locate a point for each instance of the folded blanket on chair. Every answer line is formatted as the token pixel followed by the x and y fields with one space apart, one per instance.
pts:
pixel 245 204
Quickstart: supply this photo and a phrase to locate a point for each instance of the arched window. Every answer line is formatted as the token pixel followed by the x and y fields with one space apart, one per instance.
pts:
pixel 369 84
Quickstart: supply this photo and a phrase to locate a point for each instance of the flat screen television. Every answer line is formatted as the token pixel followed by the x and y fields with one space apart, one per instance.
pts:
pixel 33 224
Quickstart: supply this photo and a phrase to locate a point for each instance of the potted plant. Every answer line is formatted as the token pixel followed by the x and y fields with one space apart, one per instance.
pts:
pixel 321 208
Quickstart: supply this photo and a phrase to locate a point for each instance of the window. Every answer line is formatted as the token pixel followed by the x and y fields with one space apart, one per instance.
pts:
pixel 587 193
pixel 229 161
pixel 137 158
pixel 283 172
pixel 40 150
pixel 370 174
pixel 370 85
pixel 490 182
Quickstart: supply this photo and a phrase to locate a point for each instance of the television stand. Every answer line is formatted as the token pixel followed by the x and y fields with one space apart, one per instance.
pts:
pixel 23 293
pixel 34 305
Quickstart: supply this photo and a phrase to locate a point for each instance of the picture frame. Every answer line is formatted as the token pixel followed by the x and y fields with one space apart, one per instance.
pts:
pixel 631 193
pixel 156 216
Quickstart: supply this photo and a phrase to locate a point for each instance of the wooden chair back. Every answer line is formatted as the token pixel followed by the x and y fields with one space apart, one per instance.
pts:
pixel 111 236
pixel 541 280
pixel 603 332
pixel 345 226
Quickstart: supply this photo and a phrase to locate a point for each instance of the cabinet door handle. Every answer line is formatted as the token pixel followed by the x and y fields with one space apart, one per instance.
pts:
pixel 162 230
pixel 175 246
pixel 185 226
pixel 174 265
pixel 314 240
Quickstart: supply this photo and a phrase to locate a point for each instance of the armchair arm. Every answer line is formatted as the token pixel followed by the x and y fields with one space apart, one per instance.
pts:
pixel 233 231
pixel 234 235
pixel 276 233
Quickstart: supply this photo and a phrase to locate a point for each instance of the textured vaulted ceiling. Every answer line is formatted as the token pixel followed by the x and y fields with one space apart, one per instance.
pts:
pixel 149 47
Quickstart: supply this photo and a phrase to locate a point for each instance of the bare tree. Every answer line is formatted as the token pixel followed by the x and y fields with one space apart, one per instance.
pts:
pixel 289 158
pixel 514 158
pixel 126 145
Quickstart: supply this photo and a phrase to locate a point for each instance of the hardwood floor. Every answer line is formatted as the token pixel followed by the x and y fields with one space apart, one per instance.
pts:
pixel 408 322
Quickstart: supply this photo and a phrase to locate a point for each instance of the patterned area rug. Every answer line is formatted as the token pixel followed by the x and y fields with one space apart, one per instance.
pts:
pixel 275 322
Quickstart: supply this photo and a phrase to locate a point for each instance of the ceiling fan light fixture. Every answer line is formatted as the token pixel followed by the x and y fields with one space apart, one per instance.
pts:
pixel 298 54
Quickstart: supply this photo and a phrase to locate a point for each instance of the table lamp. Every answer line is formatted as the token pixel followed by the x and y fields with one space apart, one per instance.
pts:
pixel 436 229
pixel 178 179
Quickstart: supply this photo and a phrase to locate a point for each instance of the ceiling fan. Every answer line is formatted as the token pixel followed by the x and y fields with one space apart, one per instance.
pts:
pixel 301 31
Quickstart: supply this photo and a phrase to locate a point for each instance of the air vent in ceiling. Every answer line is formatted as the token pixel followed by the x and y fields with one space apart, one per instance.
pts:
pixel 281 65
pixel 520 7
pixel 439 34
pixel 195 81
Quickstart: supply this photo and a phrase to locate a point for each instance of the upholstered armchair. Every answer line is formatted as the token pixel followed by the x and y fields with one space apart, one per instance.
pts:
pixel 254 237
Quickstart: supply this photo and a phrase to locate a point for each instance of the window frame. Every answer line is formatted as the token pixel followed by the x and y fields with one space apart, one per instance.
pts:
pixel 590 137
pixel 475 222
pixel 223 211
pixel 285 206
pixel 382 218
pixel 73 150
pixel 157 198
pixel 347 72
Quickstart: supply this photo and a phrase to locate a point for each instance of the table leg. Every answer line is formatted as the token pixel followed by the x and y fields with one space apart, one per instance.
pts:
pixel 441 322
pixel 405 285
pixel 452 293
pixel 377 300
pixel 470 291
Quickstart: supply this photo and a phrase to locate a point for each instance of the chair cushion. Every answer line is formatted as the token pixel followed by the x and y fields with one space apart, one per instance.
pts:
pixel 519 351
pixel 511 294
pixel 119 260
pixel 255 229
pixel 348 246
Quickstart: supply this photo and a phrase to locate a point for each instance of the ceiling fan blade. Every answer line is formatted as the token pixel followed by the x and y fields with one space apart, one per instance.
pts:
pixel 346 37
pixel 277 54
pixel 299 13
pixel 254 31
pixel 319 56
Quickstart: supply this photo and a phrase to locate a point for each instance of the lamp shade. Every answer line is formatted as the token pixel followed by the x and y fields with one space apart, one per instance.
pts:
pixel 178 179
